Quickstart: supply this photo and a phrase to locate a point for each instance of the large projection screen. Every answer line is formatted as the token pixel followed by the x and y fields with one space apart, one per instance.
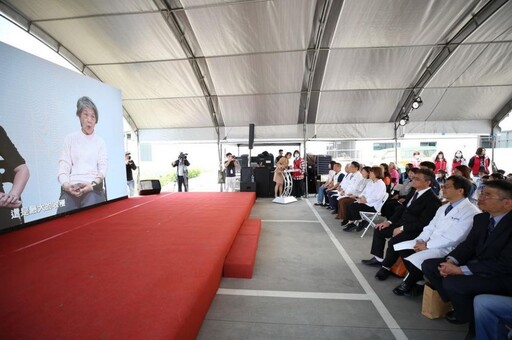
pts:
pixel 42 133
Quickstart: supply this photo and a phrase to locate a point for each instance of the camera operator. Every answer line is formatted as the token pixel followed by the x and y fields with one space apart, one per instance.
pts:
pixel 230 166
pixel 182 171
pixel 130 165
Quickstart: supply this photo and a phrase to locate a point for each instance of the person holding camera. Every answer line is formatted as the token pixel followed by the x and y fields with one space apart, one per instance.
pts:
pixel 182 171
pixel 130 166
pixel 230 166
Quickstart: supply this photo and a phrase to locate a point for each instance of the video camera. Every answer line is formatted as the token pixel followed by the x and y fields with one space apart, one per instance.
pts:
pixel 183 155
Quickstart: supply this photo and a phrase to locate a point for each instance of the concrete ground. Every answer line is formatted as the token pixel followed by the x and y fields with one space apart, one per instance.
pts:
pixel 309 283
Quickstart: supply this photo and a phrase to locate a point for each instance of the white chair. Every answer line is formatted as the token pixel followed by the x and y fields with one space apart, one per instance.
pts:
pixel 371 217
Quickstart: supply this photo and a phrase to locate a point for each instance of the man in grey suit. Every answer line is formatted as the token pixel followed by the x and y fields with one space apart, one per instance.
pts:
pixel 408 222
pixel 450 226
pixel 482 264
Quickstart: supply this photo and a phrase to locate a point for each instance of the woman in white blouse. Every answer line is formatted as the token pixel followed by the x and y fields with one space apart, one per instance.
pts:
pixel 371 196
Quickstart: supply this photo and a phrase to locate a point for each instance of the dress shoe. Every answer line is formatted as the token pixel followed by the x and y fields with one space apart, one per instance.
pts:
pixel 404 289
pixel 328 208
pixel 334 212
pixel 350 227
pixel 382 274
pixel 361 225
pixel 372 262
pixel 451 318
pixel 344 223
pixel 319 204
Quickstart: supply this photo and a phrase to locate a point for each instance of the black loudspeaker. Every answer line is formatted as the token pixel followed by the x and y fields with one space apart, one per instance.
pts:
pixel 246 174
pixel 251 136
pixel 262 179
pixel 247 187
pixel 149 187
pixel 322 164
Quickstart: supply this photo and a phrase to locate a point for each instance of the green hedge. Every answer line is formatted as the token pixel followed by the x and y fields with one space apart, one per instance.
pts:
pixel 171 176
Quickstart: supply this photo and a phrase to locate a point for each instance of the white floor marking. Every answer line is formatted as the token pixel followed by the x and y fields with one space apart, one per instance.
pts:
pixel 290 221
pixel 383 311
pixel 296 295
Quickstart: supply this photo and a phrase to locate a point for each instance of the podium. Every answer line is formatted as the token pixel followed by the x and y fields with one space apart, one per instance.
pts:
pixel 285 197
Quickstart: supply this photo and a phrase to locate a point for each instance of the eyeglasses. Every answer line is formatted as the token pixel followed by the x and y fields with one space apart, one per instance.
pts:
pixel 447 186
pixel 417 179
pixel 487 196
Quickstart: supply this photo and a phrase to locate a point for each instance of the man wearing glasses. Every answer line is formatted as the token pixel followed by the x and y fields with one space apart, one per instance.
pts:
pixel 482 264
pixel 406 223
pixel 449 227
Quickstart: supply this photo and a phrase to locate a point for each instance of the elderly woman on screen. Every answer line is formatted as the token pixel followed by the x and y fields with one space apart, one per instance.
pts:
pixel 83 163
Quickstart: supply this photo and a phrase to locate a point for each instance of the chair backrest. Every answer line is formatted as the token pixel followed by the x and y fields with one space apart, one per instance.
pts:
pixel 381 202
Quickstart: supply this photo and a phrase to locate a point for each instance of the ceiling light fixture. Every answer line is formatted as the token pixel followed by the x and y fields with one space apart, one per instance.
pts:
pixel 417 103
pixel 404 120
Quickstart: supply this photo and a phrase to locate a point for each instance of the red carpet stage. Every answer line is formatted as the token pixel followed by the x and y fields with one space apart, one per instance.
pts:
pixel 141 268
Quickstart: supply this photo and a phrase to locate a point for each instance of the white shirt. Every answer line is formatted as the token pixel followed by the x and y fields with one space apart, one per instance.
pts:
pixel 443 233
pixel 352 183
pixel 83 159
pixel 373 192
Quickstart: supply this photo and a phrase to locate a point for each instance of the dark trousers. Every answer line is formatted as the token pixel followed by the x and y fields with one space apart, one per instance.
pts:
pixel 461 289
pixel 353 210
pixel 342 207
pixel 333 200
pixel 392 210
pixel 391 254
pixel 415 274
pixel 182 183
pixel 298 188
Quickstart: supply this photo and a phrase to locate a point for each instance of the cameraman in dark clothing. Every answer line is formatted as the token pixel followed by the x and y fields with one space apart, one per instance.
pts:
pixel 182 171
pixel 130 165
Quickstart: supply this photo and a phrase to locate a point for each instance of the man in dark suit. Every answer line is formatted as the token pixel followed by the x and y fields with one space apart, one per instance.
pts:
pixel 406 223
pixel 482 264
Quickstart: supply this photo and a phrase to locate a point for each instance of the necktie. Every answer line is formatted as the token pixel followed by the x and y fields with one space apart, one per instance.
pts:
pixel 491 226
pixel 414 197
pixel 450 207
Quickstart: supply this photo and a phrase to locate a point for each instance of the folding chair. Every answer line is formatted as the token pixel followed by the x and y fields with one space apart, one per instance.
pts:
pixel 370 217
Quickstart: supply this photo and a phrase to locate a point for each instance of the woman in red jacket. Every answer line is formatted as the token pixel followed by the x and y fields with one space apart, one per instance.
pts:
pixel 440 162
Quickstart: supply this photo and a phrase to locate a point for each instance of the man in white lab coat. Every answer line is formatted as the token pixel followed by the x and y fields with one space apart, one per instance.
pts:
pixel 448 228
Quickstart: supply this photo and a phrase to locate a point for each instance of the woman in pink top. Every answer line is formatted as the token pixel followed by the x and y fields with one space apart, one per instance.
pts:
pixel 83 162
pixel 393 172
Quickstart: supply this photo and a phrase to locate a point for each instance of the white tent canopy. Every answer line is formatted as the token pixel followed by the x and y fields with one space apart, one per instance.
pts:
pixel 206 69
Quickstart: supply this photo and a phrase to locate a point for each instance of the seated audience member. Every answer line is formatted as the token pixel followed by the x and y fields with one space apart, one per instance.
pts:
pixel 395 202
pixel 495 175
pixel 349 185
pixel 350 197
pixel 441 177
pixel 436 187
pixel 406 224
pixel 465 171
pixel 321 190
pixel 336 180
pixel 386 176
pixel 448 228
pixel 481 264
pixel 393 172
pixel 404 175
pixel 370 197
pixel 493 314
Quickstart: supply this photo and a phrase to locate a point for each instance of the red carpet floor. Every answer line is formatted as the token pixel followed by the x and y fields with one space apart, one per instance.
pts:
pixel 141 268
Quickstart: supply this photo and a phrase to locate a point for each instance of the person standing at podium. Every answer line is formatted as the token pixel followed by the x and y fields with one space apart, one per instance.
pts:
pixel 281 166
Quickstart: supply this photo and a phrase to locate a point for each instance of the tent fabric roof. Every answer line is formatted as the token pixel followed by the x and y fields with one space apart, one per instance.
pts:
pixel 334 69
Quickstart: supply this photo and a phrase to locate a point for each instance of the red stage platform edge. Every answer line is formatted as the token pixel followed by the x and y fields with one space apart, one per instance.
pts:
pixel 144 268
